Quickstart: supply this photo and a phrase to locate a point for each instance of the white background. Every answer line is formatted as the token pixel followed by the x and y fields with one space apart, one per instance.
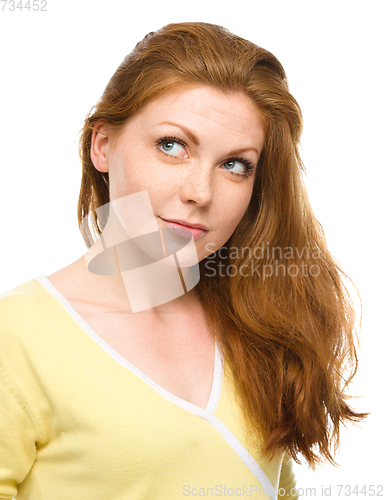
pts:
pixel 54 67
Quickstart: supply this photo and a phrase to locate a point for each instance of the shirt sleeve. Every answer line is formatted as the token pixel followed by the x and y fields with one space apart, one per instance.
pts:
pixel 287 482
pixel 18 437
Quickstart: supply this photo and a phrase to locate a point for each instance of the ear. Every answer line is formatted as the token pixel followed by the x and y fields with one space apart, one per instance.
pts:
pixel 99 146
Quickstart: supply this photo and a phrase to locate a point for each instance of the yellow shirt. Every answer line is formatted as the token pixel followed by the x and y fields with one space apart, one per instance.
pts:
pixel 78 421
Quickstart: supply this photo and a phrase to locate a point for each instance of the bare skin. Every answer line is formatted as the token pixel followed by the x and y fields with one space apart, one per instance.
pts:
pixel 176 352
pixel 171 343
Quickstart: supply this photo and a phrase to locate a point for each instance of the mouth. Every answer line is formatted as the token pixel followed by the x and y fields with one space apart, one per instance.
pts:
pixel 184 230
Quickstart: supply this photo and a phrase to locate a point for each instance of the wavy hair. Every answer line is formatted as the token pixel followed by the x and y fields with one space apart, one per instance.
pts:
pixel 288 336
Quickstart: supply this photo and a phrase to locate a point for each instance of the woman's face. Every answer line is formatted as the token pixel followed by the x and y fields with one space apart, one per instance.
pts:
pixel 183 150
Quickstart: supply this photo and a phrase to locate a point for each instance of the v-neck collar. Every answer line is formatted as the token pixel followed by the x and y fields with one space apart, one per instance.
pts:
pixel 207 413
pixel 217 383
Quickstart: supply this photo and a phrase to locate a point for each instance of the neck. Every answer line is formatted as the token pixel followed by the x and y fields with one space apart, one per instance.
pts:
pixel 114 292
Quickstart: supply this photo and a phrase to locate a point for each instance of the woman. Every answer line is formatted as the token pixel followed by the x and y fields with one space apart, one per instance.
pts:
pixel 119 381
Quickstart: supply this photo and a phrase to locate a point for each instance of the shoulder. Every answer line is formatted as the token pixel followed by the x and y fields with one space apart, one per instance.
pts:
pixel 23 309
pixel 22 299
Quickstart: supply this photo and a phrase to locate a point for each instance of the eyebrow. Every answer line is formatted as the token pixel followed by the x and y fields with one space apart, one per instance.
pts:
pixel 195 139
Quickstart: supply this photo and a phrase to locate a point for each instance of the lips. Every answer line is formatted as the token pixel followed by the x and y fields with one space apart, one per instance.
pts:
pixel 185 223
pixel 196 230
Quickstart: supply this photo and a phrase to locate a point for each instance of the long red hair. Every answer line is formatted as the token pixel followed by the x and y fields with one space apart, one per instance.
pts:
pixel 287 325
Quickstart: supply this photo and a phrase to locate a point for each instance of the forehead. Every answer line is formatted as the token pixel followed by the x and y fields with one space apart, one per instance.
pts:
pixel 207 108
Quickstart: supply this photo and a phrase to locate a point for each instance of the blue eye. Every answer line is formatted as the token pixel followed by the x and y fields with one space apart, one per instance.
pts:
pixel 167 144
pixel 234 161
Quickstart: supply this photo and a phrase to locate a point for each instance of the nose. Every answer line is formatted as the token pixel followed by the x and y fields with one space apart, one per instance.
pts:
pixel 198 186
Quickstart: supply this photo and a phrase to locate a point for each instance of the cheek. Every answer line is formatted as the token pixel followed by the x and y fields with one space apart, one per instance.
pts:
pixel 137 180
pixel 130 175
pixel 234 211
pixel 144 171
